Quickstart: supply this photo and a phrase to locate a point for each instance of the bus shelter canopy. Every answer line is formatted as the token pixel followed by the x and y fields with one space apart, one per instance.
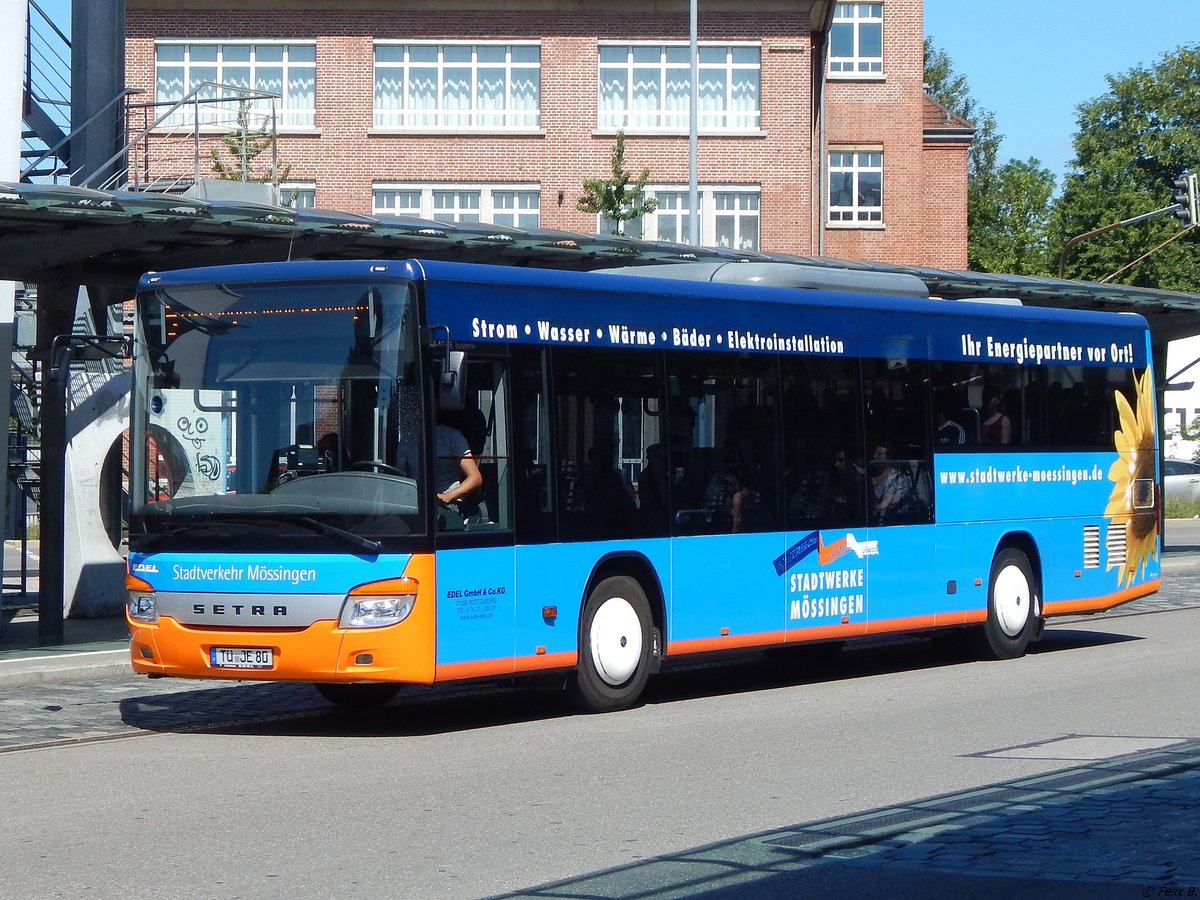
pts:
pixel 72 235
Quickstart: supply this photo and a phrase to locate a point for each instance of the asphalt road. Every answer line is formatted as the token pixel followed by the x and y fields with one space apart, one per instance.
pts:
pixel 480 792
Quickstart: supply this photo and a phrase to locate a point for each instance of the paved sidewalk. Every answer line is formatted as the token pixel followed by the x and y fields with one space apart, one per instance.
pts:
pixel 1121 827
pixel 91 648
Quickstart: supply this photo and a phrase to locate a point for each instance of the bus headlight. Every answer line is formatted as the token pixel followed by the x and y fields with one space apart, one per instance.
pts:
pixel 143 608
pixel 379 603
pixel 143 604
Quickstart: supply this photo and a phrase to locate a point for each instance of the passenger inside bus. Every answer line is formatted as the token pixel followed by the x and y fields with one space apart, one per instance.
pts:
pixel 891 489
pixel 996 426
pixel 607 493
pixel 456 474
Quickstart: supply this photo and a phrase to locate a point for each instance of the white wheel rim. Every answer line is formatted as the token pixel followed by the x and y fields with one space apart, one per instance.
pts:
pixel 616 640
pixel 1011 599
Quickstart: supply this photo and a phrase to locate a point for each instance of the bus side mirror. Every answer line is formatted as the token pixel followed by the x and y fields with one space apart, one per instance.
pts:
pixel 451 383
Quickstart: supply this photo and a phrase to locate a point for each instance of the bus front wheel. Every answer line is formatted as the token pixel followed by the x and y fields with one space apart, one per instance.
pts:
pixel 1012 601
pixel 615 646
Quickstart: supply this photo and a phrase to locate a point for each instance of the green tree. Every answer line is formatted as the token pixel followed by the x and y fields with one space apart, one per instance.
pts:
pixel 244 145
pixel 1131 143
pixel 1008 206
pixel 1017 240
pixel 614 197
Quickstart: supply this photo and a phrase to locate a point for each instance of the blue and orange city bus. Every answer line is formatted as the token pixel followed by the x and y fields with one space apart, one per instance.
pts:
pixel 670 466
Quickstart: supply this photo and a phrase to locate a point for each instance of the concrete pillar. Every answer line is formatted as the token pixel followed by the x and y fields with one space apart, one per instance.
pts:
pixel 14 14
pixel 93 569
pixel 97 75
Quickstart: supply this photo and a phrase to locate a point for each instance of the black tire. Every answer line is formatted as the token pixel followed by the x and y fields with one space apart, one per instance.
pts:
pixel 357 696
pixel 1012 619
pixel 615 640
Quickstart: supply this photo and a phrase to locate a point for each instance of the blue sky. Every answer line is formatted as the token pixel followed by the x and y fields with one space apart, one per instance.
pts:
pixel 1032 62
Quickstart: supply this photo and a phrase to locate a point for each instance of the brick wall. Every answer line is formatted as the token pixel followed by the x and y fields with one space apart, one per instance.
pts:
pixel 944 212
pixel 344 156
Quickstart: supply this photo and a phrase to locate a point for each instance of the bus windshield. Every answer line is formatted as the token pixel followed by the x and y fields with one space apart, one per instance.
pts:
pixel 278 413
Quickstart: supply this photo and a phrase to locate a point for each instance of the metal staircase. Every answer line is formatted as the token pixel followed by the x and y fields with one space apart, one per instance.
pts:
pixel 46 113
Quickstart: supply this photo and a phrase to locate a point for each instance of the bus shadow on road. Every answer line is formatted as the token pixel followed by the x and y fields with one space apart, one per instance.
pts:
pixel 864 659
pixel 296 709
pixel 1075 833
pixel 1056 640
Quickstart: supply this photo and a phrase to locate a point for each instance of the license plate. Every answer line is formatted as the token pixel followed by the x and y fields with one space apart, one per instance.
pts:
pixel 241 657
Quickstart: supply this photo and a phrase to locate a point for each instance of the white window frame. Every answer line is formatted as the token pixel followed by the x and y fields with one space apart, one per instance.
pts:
pixel 518 205
pixel 855 162
pixel 671 64
pixel 672 215
pixel 305 191
pixel 857 16
pixel 294 110
pixel 404 115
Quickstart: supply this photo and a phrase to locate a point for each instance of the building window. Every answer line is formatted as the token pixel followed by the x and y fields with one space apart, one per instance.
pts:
pixel 648 87
pixel 477 86
pixel 518 209
pixel 856 39
pixel 729 217
pixel 288 70
pixel 514 205
pixel 672 216
pixel 456 205
pixel 736 220
pixel 398 202
pixel 856 186
pixel 298 194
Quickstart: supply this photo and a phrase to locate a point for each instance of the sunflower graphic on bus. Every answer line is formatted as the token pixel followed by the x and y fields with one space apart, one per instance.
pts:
pixel 1134 502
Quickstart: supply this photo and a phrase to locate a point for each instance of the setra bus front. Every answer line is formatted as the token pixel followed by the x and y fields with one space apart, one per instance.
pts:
pixel 279 522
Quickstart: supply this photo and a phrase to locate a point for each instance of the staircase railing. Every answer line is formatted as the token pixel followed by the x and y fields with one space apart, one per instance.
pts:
pixel 165 153
pixel 31 168
pixel 47 107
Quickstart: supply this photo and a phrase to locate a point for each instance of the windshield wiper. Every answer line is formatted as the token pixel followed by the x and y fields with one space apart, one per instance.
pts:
pixel 356 541
pixel 348 537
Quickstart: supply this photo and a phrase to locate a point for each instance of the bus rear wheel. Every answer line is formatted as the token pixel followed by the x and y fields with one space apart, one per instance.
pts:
pixel 357 696
pixel 1012 606
pixel 615 646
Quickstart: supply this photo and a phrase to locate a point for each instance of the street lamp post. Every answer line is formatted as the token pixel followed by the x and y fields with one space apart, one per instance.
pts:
pixel 1062 257
pixel 693 139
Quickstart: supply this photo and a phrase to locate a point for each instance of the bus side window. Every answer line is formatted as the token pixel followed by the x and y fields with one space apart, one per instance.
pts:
pixel 724 443
pixel 532 464
pixel 601 428
pixel 899 435
pixel 483 422
pixel 823 443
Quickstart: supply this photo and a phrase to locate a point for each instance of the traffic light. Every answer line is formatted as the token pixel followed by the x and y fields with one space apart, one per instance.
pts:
pixel 1183 193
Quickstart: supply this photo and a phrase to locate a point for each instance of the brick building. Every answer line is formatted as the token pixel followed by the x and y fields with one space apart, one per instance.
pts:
pixel 815 134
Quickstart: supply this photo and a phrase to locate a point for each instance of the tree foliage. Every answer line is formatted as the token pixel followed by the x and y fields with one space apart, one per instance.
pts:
pixel 614 197
pixel 1131 143
pixel 244 145
pixel 1018 216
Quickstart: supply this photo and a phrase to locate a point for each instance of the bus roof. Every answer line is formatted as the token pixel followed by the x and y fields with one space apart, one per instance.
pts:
pixel 743 282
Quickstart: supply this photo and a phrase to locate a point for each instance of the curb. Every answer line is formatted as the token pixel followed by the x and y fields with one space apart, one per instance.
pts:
pixel 83 666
